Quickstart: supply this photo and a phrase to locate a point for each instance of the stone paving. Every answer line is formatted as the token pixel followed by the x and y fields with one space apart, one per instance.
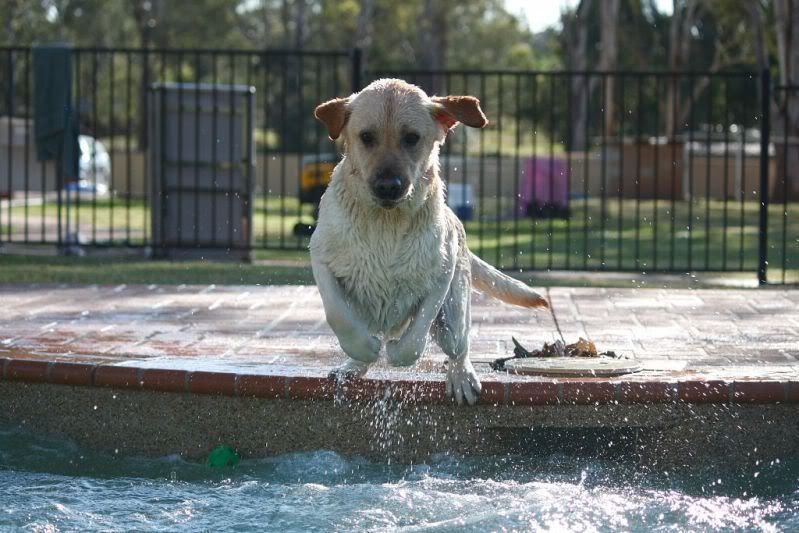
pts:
pixel 702 334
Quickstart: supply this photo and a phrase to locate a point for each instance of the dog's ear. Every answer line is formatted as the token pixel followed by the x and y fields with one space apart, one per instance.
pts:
pixel 449 110
pixel 333 114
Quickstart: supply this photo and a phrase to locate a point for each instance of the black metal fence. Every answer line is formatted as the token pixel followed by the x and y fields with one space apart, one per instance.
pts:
pixel 109 203
pixel 618 171
pixel 784 190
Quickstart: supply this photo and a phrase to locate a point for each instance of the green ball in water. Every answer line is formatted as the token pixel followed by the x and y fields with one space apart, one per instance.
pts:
pixel 222 456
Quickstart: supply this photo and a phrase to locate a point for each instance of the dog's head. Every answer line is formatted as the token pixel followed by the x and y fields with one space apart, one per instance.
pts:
pixel 392 131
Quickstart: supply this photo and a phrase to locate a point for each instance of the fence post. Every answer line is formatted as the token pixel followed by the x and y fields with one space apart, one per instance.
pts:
pixel 765 130
pixel 357 72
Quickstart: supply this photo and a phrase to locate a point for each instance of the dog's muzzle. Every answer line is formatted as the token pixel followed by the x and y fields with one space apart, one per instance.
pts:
pixel 389 188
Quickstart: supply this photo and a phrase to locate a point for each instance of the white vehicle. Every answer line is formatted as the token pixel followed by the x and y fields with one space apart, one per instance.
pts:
pixel 94 168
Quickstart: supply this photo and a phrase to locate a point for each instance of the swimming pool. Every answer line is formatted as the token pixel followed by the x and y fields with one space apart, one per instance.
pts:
pixel 47 484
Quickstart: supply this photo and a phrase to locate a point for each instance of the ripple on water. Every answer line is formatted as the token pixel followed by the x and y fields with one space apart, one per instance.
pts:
pixel 47 484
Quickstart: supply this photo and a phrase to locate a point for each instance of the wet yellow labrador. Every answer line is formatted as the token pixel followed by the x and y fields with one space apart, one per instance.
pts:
pixel 388 255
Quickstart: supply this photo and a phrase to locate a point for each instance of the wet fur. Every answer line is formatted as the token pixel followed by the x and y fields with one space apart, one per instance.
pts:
pixel 405 272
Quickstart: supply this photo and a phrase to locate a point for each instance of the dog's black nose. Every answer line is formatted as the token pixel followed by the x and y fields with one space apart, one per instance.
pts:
pixel 389 187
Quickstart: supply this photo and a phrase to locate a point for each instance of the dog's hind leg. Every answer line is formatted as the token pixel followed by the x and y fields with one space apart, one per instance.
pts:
pixel 451 332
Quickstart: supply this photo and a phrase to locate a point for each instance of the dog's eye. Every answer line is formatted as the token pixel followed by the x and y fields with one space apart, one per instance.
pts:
pixel 410 139
pixel 367 138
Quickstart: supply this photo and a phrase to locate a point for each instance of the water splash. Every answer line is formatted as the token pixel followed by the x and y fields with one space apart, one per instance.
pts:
pixel 47 483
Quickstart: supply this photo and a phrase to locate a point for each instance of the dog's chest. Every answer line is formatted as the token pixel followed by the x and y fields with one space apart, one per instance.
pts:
pixel 386 274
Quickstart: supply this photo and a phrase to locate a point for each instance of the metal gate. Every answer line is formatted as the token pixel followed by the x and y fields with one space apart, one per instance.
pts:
pixel 634 171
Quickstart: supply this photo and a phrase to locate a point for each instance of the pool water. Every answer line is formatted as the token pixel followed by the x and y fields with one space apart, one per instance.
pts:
pixel 47 484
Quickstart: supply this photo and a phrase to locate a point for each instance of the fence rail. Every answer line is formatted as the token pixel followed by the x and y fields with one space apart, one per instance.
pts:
pixel 616 170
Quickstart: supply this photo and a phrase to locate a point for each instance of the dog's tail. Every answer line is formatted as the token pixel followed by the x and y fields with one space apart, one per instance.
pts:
pixel 491 281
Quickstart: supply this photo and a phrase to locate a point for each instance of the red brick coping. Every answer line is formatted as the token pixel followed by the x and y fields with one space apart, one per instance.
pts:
pixel 573 391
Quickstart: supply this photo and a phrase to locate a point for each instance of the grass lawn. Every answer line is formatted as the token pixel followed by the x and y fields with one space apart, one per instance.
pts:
pixel 119 270
pixel 621 235
pixel 94 270
pixel 642 237
pixel 273 219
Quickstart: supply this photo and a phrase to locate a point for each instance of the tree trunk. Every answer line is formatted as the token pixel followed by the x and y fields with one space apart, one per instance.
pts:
pixel 266 17
pixel 683 18
pixel 285 15
pixel 608 56
pixel 580 85
pixel 786 19
pixel 363 31
pixel 144 13
pixel 10 9
pixel 435 43
pixel 299 25
pixel 758 32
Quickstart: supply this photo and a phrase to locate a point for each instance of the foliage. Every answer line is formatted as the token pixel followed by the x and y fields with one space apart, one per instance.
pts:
pixel 469 34
pixel 397 28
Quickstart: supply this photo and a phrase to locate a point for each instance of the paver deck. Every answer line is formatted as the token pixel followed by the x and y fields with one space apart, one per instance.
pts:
pixel 711 345
pixel 159 370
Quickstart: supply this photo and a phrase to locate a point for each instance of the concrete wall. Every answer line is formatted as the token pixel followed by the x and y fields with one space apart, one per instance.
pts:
pixel 13 132
pixel 693 173
pixel 621 173
pixel 499 175
pixel 674 436
pixel 268 171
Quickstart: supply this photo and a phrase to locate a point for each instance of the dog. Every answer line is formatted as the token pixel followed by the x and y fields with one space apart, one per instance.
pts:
pixel 388 255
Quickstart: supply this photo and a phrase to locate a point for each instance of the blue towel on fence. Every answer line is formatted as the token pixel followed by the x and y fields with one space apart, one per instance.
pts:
pixel 55 125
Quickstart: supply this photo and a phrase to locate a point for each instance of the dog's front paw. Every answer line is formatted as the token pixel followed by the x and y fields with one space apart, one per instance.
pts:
pixel 343 374
pixel 352 369
pixel 404 353
pixel 363 348
pixel 462 382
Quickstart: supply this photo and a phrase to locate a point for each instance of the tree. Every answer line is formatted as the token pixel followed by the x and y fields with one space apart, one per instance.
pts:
pixel 299 25
pixel 576 28
pixel 683 21
pixel 145 14
pixel 434 51
pixel 608 56
pixel 363 30
pixel 786 22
